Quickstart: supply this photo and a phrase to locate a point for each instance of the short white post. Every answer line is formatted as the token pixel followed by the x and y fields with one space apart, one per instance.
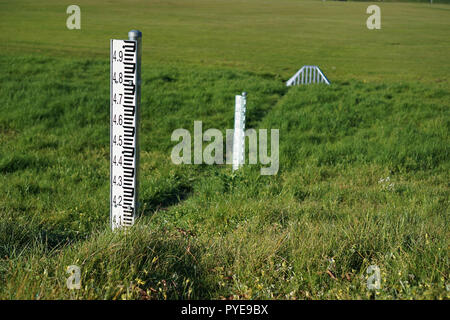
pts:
pixel 239 134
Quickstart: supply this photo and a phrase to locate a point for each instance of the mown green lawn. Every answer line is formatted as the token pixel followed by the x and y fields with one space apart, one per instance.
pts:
pixel 364 163
pixel 275 37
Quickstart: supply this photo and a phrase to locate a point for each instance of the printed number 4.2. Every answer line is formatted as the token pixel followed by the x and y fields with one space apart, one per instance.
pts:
pixel 117 201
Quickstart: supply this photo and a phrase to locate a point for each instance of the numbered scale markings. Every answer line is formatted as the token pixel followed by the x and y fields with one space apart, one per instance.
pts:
pixel 124 123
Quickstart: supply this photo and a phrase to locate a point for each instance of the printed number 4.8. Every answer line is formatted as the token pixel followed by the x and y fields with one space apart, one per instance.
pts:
pixel 119 79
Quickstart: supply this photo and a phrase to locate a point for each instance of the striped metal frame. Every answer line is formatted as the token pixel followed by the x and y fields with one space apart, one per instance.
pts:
pixel 308 75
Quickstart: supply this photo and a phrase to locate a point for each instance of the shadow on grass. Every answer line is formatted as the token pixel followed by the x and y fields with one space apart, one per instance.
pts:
pixel 164 198
pixel 146 263
pixel 179 272
pixel 18 234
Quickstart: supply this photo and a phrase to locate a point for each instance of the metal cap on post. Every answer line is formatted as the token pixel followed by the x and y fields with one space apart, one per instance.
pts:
pixel 134 34
pixel 137 36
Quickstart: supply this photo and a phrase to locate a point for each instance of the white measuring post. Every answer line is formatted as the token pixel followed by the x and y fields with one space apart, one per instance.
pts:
pixel 125 100
pixel 239 135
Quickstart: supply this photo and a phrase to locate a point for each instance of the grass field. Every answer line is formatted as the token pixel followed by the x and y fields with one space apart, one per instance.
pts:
pixel 364 162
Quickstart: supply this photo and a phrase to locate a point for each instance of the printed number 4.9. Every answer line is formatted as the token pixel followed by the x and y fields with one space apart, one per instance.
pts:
pixel 120 58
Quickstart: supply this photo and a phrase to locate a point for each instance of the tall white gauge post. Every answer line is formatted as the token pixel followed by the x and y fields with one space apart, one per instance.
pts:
pixel 239 127
pixel 125 105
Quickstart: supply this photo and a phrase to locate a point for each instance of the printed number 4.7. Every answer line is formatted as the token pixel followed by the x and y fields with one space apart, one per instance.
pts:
pixel 117 101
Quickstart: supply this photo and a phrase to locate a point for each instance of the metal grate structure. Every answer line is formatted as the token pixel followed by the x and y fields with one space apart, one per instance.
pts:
pixel 308 75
